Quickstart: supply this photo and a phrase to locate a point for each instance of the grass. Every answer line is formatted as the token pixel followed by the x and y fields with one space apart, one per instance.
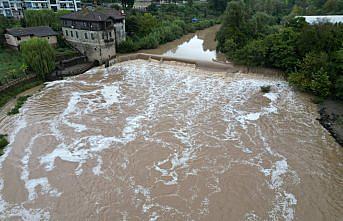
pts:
pixel 10 64
pixel 265 89
pixel 19 104
pixel 3 143
pixel 65 53
pixel 12 92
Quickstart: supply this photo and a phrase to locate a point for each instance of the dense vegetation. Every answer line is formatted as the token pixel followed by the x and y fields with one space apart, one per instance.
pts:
pixel 259 34
pixel 39 56
pixel 163 24
pixel 11 65
pixel 44 18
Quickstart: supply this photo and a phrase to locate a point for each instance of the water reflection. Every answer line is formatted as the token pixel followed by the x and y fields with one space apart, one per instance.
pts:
pixel 200 45
pixel 192 49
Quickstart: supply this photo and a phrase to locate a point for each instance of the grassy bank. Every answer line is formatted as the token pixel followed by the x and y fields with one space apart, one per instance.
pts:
pixel 7 95
pixel 11 65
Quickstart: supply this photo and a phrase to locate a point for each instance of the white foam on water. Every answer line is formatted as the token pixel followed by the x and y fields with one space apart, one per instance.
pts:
pixel 154 216
pixel 111 94
pixel 31 184
pixel 97 169
pixel 166 87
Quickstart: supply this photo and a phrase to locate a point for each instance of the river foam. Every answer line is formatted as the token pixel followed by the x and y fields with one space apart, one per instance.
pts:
pixel 160 142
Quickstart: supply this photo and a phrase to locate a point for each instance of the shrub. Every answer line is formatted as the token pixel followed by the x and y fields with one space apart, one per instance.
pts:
pixel 150 41
pixel 253 53
pixel 128 46
pixel 299 80
pixel 321 83
pixel 39 56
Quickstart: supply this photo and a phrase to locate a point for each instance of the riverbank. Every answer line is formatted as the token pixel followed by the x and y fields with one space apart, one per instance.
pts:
pixel 331 118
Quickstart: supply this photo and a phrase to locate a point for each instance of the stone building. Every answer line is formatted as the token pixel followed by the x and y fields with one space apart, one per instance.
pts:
pixel 95 33
pixel 15 36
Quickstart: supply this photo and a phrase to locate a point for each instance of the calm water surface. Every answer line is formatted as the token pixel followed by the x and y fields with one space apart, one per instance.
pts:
pixel 199 46
pixel 166 141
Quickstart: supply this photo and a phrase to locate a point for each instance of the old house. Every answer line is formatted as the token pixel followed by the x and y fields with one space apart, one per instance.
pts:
pixel 15 36
pixel 95 33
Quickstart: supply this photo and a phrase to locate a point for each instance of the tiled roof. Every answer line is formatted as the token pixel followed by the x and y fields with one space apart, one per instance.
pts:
pixel 96 15
pixel 39 31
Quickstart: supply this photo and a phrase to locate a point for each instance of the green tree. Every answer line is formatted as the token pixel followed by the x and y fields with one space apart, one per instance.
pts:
pixel 253 53
pixel 218 5
pixel 39 56
pixel 235 25
pixel 44 18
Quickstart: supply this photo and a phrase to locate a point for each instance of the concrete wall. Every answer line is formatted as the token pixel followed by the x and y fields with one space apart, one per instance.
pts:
pixel 15 42
pixel 100 47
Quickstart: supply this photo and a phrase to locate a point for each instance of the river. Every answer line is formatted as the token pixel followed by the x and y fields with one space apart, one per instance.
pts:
pixel 145 140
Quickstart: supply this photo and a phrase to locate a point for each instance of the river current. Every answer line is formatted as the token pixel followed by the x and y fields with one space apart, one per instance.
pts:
pixel 144 140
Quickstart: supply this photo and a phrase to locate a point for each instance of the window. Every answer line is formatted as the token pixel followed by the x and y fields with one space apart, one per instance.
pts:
pixel 71 34
pixel 86 36
pixel 77 34
pixel 66 32
pixel 92 36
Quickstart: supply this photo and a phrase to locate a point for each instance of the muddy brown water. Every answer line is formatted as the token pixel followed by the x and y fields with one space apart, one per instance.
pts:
pixel 166 141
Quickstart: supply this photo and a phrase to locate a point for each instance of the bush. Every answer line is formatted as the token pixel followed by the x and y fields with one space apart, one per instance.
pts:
pixel 39 56
pixel 300 81
pixel 127 46
pixel 150 41
pixel 252 54
pixel 321 83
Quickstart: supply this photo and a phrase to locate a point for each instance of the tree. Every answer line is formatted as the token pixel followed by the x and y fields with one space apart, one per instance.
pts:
pixel 39 56
pixel 235 25
pixel 219 5
pixel 44 18
pixel 253 53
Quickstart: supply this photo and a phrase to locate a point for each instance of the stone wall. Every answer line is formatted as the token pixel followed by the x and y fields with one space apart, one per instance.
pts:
pixel 13 41
pixel 96 45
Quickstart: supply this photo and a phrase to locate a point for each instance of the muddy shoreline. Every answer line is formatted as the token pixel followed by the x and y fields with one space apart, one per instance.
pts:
pixel 331 118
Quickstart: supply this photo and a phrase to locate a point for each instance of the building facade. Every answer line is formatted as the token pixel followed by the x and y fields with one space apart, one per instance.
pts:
pixel 15 36
pixel 14 8
pixel 94 33
pixel 72 5
pixel 11 8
